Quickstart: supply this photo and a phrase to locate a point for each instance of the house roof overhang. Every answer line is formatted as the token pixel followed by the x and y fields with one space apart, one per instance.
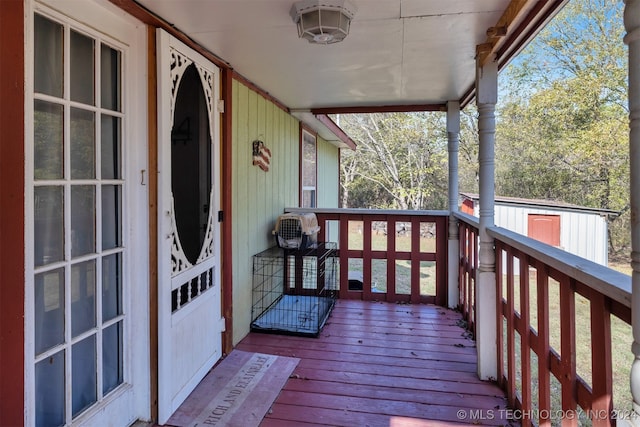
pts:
pixel 400 55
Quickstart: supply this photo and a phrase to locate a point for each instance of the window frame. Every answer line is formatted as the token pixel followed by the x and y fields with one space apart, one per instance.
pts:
pixel 306 131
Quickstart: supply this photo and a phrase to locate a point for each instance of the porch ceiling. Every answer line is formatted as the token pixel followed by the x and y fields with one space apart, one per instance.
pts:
pixel 398 53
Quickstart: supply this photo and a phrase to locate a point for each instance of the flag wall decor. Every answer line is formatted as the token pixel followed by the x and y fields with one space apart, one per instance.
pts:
pixel 261 155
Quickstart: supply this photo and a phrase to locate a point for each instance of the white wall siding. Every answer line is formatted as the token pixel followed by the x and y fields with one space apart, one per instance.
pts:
pixel 582 234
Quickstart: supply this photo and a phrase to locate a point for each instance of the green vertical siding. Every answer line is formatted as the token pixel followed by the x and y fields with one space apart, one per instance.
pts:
pixel 258 196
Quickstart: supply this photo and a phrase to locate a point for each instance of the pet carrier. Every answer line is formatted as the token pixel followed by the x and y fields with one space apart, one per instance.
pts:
pixel 297 230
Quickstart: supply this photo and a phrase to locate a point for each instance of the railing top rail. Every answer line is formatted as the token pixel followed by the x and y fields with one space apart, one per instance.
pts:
pixel 608 282
pixel 469 219
pixel 354 211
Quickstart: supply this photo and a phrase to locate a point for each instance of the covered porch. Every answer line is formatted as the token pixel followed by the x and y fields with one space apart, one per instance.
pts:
pixel 408 353
pixel 374 364
pixel 454 321
pixel 517 297
pixel 383 364
pixel 488 273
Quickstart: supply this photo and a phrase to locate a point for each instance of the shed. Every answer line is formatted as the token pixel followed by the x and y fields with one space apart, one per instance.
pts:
pixel 579 230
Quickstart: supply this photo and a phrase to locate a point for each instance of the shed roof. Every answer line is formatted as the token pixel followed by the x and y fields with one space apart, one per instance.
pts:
pixel 544 204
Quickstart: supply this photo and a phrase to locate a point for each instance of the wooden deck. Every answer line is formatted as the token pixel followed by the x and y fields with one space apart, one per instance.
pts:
pixel 381 364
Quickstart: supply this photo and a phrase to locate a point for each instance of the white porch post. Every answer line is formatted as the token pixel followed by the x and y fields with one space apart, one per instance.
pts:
pixel 632 24
pixel 486 99
pixel 453 134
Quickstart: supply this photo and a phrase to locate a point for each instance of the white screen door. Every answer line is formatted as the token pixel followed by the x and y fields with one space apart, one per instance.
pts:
pixel 189 314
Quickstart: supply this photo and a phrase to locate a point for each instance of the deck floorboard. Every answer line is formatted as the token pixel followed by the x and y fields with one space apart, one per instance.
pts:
pixel 379 364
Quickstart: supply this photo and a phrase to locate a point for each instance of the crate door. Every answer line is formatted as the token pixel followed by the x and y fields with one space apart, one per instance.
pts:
pixel 189 314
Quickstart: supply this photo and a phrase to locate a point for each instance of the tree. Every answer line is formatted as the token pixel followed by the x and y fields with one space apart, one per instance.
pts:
pixel 566 138
pixel 400 161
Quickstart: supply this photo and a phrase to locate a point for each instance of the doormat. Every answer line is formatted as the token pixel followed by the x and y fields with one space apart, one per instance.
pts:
pixel 237 392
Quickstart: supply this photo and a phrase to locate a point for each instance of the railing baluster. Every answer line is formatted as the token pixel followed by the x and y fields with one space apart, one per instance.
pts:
pixel 544 373
pixel 462 245
pixel 511 358
pixel 568 349
pixel 601 363
pixel 525 333
pixel 502 380
pixel 366 258
pixel 415 260
pixel 391 259
pixel 344 256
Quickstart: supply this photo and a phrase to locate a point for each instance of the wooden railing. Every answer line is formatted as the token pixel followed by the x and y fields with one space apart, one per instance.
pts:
pixel 468 268
pixel 554 328
pixel 386 255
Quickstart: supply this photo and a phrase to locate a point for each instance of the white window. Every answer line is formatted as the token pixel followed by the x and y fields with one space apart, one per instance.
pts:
pixel 308 164
pixel 78 252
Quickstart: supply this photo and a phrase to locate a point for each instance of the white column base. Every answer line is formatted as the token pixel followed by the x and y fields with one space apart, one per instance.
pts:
pixel 486 335
pixel 453 292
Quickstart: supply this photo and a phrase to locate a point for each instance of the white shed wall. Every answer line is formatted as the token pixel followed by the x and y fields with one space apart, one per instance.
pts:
pixel 582 234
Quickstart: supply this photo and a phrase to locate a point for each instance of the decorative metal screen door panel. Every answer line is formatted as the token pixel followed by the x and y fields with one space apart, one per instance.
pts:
pixel 189 312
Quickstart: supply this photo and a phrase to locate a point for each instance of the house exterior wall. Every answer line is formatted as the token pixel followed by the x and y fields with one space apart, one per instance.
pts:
pixel 582 234
pixel 258 196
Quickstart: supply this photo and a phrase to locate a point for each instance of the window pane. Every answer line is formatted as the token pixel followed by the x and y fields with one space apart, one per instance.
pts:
pixel 111 357
pixel 111 286
pixel 48 225
pixel 83 150
pixel 83 223
pixel 83 297
pixel 48 56
pixel 82 68
pixel 110 143
pixel 308 198
pixel 49 309
pixel 83 374
pixel 111 216
pixel 190 170
pixel 48 139
pixel 308 160
pixel 308 170
pixel 50 391
pixel 110 78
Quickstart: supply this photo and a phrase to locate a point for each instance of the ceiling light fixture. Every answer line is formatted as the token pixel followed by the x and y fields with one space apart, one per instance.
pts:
pixel 323 21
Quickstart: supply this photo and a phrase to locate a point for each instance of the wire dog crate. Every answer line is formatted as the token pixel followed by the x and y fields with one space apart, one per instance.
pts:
pixel 294 290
